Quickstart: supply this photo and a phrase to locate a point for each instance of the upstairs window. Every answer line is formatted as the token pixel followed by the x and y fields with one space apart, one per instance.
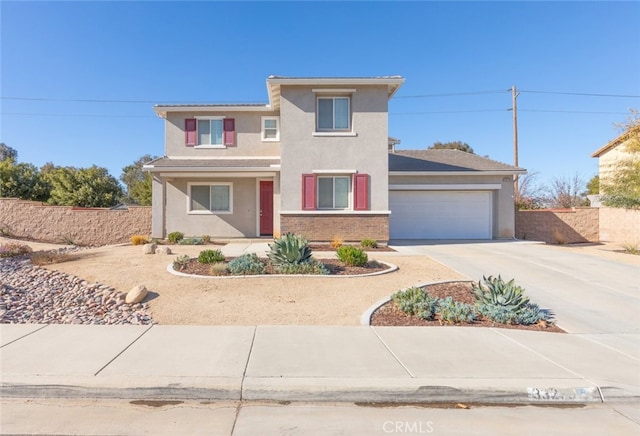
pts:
pixel 210 132
pixel 270 128
pixel 333 113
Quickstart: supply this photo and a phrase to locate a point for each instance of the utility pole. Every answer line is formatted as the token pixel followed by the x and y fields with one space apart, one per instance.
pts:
pixel 514 109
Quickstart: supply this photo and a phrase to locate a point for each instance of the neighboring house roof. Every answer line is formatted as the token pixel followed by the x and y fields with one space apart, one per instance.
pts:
pixel 165 164
pixel 614 143
pixel 446 161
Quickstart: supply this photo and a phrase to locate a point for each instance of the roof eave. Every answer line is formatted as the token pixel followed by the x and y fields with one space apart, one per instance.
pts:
pixel 460 173
pixel 162 111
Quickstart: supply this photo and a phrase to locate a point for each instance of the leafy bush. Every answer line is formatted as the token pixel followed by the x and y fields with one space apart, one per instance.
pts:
pixel 190 241
pixel 312 267
pixel 290 249
pixel 175 237
pixel 13 249
pixel 369 243
pixel 210 256
pixel 453 312
pixel 415 301
pixel 247 264
pixel 352 256
pixel 181 262
pixel 497 292
pixel 139 239
pixel 219 269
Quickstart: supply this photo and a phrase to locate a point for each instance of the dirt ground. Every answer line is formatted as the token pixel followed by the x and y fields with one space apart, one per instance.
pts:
pixel 245 301
pixel 257 301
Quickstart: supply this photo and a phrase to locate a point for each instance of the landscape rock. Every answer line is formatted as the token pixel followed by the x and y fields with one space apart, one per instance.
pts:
pixel 149 248
pixel 136 294
pixel 163 250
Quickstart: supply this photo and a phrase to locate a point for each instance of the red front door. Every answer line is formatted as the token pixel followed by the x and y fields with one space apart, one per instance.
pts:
pixel 266 208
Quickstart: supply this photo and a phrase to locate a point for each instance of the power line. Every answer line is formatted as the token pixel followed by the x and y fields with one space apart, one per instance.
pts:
pixel 450 94
pixel 581 94
pixel 77 115
pixel 572 112
pixel 449 112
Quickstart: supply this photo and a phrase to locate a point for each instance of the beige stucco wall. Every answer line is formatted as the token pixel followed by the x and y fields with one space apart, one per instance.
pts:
pixel 65 224
pixel 248 136
pixel 304 153
pixel 607 162
pixel 620 225
pixel 503 204
pixel 242 222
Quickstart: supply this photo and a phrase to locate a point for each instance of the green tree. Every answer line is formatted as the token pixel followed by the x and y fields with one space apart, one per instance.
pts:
pixel 137 182
pixel 7 152
pixel 22 180
pixel 593 185
pixel 622 187
pixel 455 145
pixel 82 187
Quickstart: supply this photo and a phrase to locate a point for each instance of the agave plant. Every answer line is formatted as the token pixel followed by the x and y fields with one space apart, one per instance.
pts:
pixel 496 292
pixel 290 249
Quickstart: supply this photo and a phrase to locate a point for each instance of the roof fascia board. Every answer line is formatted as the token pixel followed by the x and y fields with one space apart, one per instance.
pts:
pixel 459 173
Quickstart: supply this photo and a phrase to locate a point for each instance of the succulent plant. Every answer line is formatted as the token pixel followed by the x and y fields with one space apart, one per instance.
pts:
pixel 247 264
pixel 290 249
pixel 415 301
pixel 496 292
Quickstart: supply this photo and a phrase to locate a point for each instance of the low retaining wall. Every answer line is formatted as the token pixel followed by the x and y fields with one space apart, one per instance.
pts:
pixel 619 225
pixel 558 226
pixel 65 224
pixel 326 227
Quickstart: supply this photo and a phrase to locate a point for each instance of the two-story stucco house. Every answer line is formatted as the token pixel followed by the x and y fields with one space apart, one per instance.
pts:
pixel 316 160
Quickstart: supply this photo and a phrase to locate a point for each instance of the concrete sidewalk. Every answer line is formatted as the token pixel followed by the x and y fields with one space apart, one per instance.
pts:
pixel 300 363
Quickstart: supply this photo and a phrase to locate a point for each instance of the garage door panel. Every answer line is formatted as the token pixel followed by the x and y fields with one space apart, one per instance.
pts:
pixel 441 214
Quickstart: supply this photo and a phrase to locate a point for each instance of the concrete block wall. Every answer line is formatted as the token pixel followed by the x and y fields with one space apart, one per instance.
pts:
pixel 620 225
pixel 558 226
pixel 66 224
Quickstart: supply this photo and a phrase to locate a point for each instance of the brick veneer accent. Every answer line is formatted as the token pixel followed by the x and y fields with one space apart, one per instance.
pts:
pixel 324 227
pixel 92 226
pixel 561 226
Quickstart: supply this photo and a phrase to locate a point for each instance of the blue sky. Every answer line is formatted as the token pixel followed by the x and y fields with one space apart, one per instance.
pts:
pixel 141 53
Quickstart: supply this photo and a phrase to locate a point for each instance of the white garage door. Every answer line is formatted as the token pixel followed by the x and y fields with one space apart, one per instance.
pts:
pixel 440 214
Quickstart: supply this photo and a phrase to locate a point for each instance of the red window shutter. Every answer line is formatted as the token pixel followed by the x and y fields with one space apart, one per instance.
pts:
pixel 361 192
pixel 229 126
pixel 190 131
pixel 308 192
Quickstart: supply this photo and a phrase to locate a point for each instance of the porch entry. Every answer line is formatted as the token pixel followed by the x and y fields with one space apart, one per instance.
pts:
pixel 266 208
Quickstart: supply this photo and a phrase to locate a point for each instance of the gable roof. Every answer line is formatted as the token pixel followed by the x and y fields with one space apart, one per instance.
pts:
pixel 166 164
pixel 615 142
pixel 446 161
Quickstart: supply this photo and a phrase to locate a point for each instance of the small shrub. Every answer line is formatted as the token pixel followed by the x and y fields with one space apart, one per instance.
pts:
pixel 247 264
pixel 13 249
pixel 415 301
pixel 631 248
pixel 313 267
pixel 206 239
pixel 219 269
pixel 49 257
pixel 175 237
pixel 495 291
pixel 369 243
pixel 500 314
pixel 559 238
pixel 67 240
pixel 181 262
pixel 190 241
pixel 336 242
pixel 531 314
pixel 210 256
pixel 453 312
pixel 290 249
pixel 139 240
pixel 352 256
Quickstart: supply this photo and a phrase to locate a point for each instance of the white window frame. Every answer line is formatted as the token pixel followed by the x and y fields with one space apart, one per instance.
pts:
pixel 349 192
pixel 263 129
pixel 198 145
pixel 333 100
pixel 209 212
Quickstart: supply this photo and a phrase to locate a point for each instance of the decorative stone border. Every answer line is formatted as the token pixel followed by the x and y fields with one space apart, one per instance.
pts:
pixel 391 268
pixel 365 318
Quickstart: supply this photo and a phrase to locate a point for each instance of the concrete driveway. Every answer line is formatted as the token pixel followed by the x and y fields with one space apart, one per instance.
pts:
pixel 589 295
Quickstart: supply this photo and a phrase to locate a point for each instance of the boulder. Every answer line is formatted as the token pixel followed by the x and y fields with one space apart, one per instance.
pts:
pixel 136 294
pixel 149 248
pixel 163 250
